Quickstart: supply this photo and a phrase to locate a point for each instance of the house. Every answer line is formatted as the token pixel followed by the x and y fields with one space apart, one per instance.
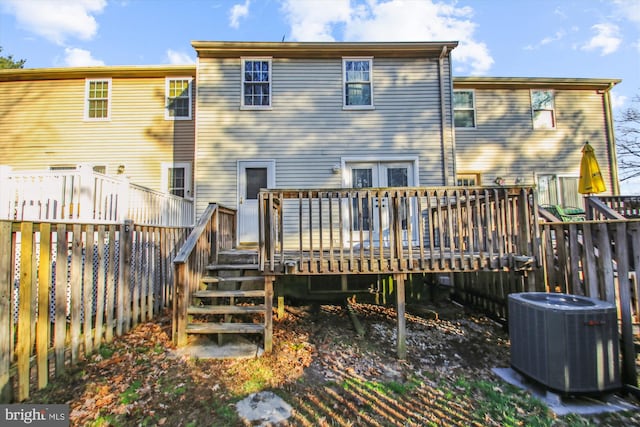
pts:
pixel 136 122
pixel 531 132
pixel 306 115
pixel 337 160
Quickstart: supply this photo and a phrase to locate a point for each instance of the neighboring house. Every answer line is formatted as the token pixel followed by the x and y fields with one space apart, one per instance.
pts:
pixel 531 131
pixel 303 116
pixel 132 121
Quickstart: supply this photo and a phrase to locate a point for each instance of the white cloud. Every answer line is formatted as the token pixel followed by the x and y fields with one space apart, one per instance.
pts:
pixel 607 39
pixel 313 20
pixel 390 20
pixel 178 58
pixel 75 57
pixel 628 9
pixel 57 20
pixel 238 11
pixel 618 101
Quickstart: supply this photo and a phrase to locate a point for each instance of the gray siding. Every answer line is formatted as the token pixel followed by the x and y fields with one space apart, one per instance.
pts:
pixel 505 143
pixel 307 131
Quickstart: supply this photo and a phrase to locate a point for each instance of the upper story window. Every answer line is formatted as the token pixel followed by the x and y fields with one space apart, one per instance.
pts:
pixel 464 109
pixel 98 93
pixel 542 109
pixel 358 90
pixel 256 82
pixel 178 98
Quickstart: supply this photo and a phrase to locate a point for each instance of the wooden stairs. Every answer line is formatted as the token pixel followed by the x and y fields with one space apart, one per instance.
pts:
pixel 234 298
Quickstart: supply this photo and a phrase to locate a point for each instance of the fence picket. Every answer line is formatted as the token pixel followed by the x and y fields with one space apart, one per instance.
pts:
pixel 65 271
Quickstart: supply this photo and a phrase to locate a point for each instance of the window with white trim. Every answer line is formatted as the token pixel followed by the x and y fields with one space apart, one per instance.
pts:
pixel 176 178
pixel 256 83
pixel 559 190
pixel 358 87
pixel 178 98
pixel 543 109
pixel 98 94
pixel 468 179
pixel 464 109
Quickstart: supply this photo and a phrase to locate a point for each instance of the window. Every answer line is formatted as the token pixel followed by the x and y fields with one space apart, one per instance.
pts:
pixel 178 92
pixel 98 93
pixel 464 109
pixel 468 179
pixel 176 178
pixel 542 109
pixel 358 92
pixel 256 83
pixel 559 190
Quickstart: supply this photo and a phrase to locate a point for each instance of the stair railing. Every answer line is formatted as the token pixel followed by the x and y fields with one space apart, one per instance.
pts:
pixel 214 231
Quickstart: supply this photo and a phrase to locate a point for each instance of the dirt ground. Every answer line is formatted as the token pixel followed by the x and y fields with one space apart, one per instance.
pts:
pixel 329 374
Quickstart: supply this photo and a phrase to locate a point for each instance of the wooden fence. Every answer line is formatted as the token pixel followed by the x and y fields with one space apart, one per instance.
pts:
pixel 598 259
pixel 67 288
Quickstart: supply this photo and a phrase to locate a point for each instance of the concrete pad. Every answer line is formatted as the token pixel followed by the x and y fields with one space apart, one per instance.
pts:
pixel 204 347
pixel 564 405
pixel 265 407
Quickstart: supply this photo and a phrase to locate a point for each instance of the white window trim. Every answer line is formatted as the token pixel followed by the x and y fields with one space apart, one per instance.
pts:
pixel 553 110
pixel 475 118
pixel 344 83
pixel 168 80
pixel 86 100
pixel 379 159
pixel 558 176
pixel 164 176
pixel 256 58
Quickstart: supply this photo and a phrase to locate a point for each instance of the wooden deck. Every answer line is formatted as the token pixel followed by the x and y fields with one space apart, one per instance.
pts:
pixel 367 261
pixel 367 231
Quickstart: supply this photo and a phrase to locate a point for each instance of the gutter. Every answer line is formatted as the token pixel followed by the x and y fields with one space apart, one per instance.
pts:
pixel 443 118
pixel 611 140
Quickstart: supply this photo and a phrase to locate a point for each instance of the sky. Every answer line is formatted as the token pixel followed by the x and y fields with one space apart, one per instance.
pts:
pixel 498 38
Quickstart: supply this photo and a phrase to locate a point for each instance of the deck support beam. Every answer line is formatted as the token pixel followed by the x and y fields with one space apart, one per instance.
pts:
pixel 268 313
pixel 399 280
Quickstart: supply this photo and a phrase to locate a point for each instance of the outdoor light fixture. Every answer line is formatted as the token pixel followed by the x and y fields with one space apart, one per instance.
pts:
pixel 499 180
pixel 336 169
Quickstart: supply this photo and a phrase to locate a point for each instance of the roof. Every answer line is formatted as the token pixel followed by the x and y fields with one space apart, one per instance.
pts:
pixel 533 82
pixel 209 49
pixel 131 71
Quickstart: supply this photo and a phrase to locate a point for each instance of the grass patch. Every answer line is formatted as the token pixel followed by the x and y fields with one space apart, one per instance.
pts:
pixel 130 395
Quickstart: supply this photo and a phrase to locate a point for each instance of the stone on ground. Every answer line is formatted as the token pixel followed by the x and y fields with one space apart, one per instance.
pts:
pixel 265 407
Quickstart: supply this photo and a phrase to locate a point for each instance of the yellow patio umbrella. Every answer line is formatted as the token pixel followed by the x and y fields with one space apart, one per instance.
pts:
pixel 591 181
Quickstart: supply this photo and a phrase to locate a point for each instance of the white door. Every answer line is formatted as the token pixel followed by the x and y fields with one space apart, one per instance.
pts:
pixel 377 174
pixel 252 176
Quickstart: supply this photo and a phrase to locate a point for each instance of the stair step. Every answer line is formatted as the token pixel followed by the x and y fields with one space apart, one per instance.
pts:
pixel 226 309
pixel 230 293
pixel 232 267
pixel 217 279
pixel 225 328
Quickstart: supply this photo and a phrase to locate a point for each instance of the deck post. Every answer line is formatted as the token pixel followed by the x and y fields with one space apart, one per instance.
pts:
pixel 399 280
pixel 180 305
pixel 268 313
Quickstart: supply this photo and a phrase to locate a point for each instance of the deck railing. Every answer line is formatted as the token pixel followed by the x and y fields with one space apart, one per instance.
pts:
pixel 68 288
pixel 377 230
pixel 626 206
pixel 215 231
pixel 87 196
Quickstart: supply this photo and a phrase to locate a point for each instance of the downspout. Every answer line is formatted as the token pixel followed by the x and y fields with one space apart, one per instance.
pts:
pixel 443 117
pixel 611 140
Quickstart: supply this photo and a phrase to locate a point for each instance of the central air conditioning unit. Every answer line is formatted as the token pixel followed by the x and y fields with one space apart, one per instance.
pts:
pixel 567 343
